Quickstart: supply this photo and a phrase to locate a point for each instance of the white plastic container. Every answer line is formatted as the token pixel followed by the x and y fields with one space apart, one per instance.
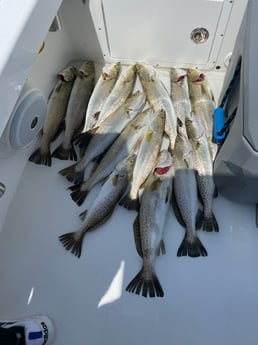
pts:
pixel 210 300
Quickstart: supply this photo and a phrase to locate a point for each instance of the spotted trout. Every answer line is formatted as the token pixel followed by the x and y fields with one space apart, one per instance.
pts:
pixel 106 133
pixel 158 97
pixel 103 88
pixel 185 192
pixel 56 111
pixel 146 158
pixel 202 102
pixel 122 90
pixel 179 93
pixel 127 143
pixel 204 170
pixel 75 114
pixel 151 224
pixel 102 206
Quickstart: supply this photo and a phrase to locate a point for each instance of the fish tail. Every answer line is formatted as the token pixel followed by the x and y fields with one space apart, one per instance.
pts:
pixel 72 243
pixel 65 154
pixel 161 249
pixel 41 158
pixel 78 195
pixel 71 174
pixel 82 215
pixel 192 247
pixel 210 223
pixel 82 140
pixel 130 204
pixel 150 287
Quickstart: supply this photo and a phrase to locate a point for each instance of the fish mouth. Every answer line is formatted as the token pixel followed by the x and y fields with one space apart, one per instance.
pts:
pixel 105 75
pixel 180 79
pixel 162 170
pixel 62 78
pixel 200 78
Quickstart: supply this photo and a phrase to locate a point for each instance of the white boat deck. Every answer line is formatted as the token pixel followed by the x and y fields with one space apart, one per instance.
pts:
pixel 208 300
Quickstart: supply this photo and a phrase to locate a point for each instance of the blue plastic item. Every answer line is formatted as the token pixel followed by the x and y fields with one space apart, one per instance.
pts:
pixel 218 133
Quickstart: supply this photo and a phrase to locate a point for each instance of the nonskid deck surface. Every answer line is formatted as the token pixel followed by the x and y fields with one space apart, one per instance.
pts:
pixel 207 300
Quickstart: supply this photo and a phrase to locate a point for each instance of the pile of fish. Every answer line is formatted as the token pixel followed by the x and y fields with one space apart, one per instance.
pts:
pixel 149 151
pixel 66 110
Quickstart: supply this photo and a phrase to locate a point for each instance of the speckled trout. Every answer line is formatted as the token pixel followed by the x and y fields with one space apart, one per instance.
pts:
pixel 102 206
pixel 186 195
pixel 119 94
pixel 103 88
pixel 75 114
pixel 127 143
pixel 150 225
pixel 146 158
pixel 204 167
pixel 158 97
pixel 106 133
pixel 202 102
pixel 179 93
pixel 56 111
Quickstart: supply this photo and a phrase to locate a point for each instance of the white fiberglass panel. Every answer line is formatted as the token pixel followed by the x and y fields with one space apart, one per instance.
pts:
pixel 159 31
pixel 23 26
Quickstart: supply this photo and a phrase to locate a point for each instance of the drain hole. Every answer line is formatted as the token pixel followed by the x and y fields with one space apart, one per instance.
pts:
pixel 34 122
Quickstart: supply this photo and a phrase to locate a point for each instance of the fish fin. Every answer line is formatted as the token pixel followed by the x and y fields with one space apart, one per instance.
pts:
pixel 186 163
pixel 199 220
pixel 146 287
pixel 83 139
pixel 193 248
pixel 161 249
pixel 96 115
pixel 149 135
pixel 82 215
pixel 137 235
pixel 103 180
pixel 115 179
pixel 50 94
pixel 65 154
pixel 77 194
pixel 98 158
pixel 176 209
pixel 71 174
pixel 210 224
pixel 168 196
pixel 72 242
pixel 41 158
pixel 212 96
pixel 130 204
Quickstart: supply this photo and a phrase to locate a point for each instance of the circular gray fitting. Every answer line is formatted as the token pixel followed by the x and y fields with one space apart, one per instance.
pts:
pixel 28 119
pixel 199 35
